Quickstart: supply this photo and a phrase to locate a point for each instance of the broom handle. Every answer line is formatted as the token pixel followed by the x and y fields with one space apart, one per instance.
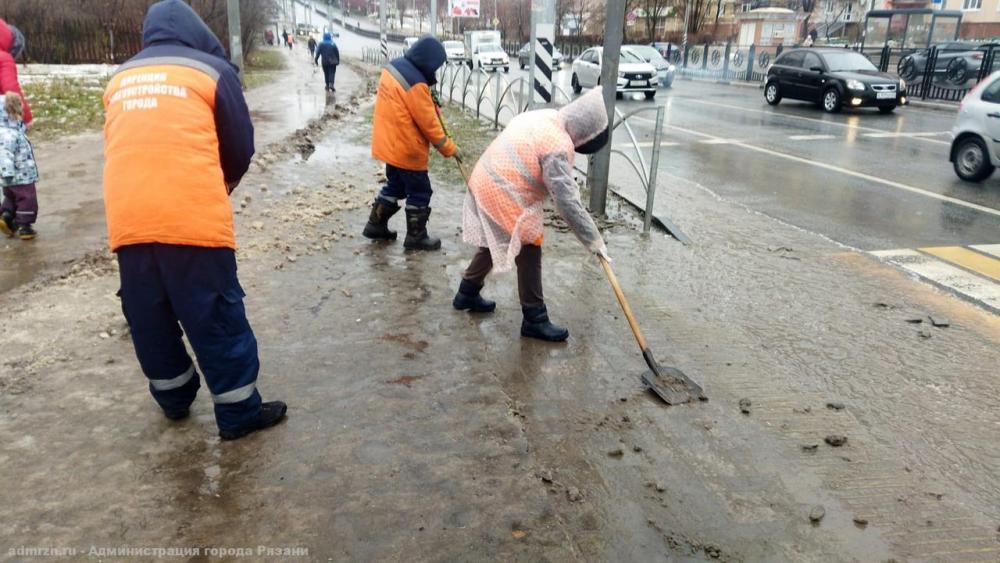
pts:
pixel 639 336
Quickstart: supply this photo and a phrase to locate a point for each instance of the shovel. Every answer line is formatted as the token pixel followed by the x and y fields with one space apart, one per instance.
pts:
pixel 668 383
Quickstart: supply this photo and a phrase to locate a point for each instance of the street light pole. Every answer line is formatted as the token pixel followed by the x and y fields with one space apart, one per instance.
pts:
pixel 434 17
pixel 600 164
pixel 235 41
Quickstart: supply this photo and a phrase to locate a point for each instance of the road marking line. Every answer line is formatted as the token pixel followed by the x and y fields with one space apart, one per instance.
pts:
pixel 991 249
pixel 831 167
pixel 944 275
pixel 810 137
pixel 968 259
pixel 790 116
pixel 903 134
pixel 720 141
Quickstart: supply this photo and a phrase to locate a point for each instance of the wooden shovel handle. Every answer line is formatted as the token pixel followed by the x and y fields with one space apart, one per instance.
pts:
pixel 639 336
pixel 461 169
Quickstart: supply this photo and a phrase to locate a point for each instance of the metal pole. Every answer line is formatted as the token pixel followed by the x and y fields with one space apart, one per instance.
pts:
pixel 654 164
pixel 600 164
pixel 235 41
pixel 684 43
pixel 383 9
pixel 434 17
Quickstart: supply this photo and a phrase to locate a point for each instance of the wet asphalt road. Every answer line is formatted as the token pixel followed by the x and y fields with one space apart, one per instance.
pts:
pixel 862 179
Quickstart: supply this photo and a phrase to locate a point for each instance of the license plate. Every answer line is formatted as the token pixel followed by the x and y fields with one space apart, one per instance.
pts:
pixel 885 95
pixel 640 83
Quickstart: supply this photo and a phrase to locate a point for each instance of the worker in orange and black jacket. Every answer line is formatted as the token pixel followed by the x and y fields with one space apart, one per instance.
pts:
pixel 177 141
pixel 406 124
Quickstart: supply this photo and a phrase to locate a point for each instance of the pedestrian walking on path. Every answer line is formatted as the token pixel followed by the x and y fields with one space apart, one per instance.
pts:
pixel 406 123
pixel 178 139
pixel 289 40
pixel 328 56
pixel 529 161
pixel 18 172
pixel 11 46
pixel 312 45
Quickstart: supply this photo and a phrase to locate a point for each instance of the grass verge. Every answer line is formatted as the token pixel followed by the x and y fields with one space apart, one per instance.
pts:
pixel 261 66
pixel 65 106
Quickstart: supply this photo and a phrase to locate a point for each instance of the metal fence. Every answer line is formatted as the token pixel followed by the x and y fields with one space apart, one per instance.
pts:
pixel 937 73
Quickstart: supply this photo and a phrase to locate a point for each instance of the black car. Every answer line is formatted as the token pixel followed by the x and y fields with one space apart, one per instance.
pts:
pixel 832 78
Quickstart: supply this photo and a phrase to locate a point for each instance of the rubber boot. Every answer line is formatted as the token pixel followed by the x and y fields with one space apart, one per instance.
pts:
pixel 468 299
pixel 377 227
pixel 26 232
pixel 416 230
pixel 7 224
pixel 536 325
pixel 270 414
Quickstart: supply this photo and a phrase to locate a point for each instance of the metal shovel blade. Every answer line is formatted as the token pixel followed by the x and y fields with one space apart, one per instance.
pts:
pixel 671 384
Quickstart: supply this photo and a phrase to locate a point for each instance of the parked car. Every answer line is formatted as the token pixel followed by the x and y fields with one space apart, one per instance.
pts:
pixel 974 150
pixel 524 57
pixel 490 56
pixel 667 50
pixel 664 70
pixel 957 62
pixel 634 74
pixel 832 78
pixel 455 51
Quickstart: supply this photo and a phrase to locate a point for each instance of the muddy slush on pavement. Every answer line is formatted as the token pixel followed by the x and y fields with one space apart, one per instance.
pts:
pixel 835 429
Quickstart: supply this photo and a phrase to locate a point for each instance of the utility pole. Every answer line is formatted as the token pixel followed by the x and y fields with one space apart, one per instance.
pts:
pixel 543 36
pixel 383 37
pixel 684 43
pixel 434 18
pixel 600 163
pixel 235 35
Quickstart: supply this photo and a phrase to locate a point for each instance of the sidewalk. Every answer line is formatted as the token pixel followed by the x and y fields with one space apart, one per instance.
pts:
pixel 416 432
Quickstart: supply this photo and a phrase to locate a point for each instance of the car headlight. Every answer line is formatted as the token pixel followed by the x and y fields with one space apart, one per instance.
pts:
pixel 855 85
pixel 902 84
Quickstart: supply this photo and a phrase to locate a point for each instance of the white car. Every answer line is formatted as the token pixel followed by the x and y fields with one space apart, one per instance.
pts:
pixel 455 51
pixel 975 152
pixel 490 56
pixel 634 74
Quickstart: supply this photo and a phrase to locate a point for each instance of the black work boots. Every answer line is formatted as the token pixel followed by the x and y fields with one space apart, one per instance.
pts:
pixel 468 299
pixel 270 414
pixel 378 222
pixel 417 238
pixel 536 325
pixel 416 230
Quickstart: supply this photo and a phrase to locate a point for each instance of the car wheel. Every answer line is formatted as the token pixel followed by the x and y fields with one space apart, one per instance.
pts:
pixel 907 68
pixel 650 95
pixel 576 84
pixel 831 100
pixel 771 93
pixel 972 160
pixel 619 95
pixel 887 109
pixel 506 69
pixel 523 65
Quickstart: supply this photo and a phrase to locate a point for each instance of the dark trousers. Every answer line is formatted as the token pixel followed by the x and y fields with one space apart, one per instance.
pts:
pixel 413 186
pixel 529 273
pixel 21 202
pixel 167 288
pixel 330 74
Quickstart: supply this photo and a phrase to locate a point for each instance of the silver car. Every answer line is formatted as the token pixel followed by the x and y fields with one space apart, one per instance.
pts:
pixel 634 74
pixel 664 70
pixel 975 152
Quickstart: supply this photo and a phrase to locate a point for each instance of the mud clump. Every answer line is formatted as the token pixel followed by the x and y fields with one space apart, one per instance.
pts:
pixel 816 514
pixel 835 440
pixel 617 453
pixel 835 405
pixel 745 406
pixel 573 494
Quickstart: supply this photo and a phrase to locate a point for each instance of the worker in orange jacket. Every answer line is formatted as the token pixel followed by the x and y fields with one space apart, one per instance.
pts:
pixel 177 141
pixel 406 124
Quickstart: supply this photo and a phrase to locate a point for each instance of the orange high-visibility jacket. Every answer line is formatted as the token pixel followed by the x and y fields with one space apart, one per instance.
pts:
pixel 406 121
pixel 177 130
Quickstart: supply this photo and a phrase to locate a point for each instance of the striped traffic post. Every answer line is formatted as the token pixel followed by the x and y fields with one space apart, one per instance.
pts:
pixel 543 69
pixel 383 36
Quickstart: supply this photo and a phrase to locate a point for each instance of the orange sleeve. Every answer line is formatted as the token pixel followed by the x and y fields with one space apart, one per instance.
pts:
pixel 421 107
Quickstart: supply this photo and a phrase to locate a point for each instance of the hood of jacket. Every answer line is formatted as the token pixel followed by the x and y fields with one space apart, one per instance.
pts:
pixel 174 22
pixel 11 39
pixel 327 38
pixel 427 54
